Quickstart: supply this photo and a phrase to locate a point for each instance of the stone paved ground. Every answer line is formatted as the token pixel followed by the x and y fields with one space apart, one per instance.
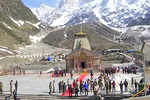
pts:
pixel 33 83
pixel 36 84
pixel 35 87
pixel 47 97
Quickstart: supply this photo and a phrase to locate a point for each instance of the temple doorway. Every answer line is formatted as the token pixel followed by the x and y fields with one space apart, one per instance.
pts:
pixel 83 65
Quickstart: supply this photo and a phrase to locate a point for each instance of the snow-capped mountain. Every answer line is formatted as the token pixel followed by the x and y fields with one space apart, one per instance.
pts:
pixel 113 13
pixel 69 4
pixel 138 33
pixel 141 31
pixel 43 12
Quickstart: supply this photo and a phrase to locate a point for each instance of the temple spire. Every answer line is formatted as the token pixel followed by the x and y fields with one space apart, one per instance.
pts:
pixel 81 40
pixel 81 30
pixel 81 33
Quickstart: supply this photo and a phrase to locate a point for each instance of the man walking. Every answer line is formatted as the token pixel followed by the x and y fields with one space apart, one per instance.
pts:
pixel 126 85
pixel 110 85
pixel 11 87
pixel 70 90
pixel 71 74
pixel 86 88
pixel 16 86
pixel 50 87
pixel 135 85
pixel 64 87
pixel 1 88
pixel 76 89
pixel 81 87
pixel 53 86
pixel 106 86
pixel 15 94
pixel 91 74
pixel 114 85
pixel 59 86
pixel 121 87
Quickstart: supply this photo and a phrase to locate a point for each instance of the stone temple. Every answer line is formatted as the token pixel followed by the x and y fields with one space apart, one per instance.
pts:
pixel 82 58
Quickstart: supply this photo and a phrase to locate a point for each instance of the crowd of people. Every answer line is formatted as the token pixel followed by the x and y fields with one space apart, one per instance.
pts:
pixel 127 69
pixel 95 85
pixel 59 73
pixel 74 87
pixel 90 85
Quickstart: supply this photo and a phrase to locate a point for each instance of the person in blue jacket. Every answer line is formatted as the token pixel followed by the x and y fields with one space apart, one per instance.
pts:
pixel 86 88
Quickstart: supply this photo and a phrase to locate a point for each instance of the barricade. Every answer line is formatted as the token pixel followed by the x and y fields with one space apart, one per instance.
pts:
pixel 140 92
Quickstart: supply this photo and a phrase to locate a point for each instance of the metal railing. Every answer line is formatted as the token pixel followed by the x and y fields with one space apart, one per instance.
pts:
pixel 140 92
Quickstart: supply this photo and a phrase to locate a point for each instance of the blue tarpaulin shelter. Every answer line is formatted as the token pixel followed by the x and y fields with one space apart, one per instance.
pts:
pixel 131 51
pixel 50 59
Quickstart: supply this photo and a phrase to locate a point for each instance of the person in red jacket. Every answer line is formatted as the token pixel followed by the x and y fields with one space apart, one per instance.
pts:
pixel 113 86
pixel 71 74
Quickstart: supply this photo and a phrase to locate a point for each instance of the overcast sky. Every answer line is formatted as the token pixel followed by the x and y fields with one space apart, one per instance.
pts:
pixel 37 3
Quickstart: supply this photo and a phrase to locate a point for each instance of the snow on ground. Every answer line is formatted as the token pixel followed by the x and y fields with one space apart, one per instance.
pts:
pixel 2 58
pixel 7 26
pixel 5 50
pixel 35 39
pixel 38 49
pixel 4 47
pixel 35 25
pixel 19 22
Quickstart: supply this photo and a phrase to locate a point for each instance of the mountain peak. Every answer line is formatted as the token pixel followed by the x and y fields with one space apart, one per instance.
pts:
pixel 42 11
pixel 114 13
pixel 69 4
pixel 44 6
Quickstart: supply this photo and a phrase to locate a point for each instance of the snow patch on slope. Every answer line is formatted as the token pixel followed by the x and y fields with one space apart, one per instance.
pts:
pixel 19 22
pixel 62 20
pixel 5 50
pixel 35 25
pixel 35 39
pixel 7 26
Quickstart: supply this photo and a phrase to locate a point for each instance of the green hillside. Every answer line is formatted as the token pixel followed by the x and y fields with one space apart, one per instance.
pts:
pixel 12 34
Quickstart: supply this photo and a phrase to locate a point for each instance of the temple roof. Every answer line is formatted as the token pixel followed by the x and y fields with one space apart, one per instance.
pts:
pixel 81 41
